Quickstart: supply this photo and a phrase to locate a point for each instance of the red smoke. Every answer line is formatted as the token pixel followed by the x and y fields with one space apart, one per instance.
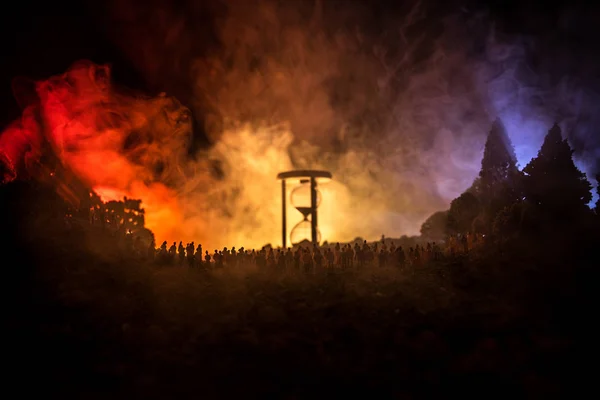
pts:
pixel 20 145
pixel 119 145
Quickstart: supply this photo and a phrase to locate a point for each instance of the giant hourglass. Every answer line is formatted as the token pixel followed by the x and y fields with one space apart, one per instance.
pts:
pixel 306 198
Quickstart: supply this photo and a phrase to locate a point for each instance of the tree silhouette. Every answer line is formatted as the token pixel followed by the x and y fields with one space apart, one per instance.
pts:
pixel 434 228
pixel 463 211
pixel 499 163
pixel 553 184
pixel 498 184
pixel 512 220
pixel 134 214
pixel 598 193
pixel 126 214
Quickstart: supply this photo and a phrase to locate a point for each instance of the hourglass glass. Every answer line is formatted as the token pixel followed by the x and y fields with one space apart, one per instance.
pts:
pixel 301 199
pixel 305 198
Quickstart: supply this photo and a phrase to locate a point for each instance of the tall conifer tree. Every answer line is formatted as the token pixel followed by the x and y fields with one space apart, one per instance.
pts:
pixel 499 182
pixel 499 163
pixel 554 184
pixel 598 193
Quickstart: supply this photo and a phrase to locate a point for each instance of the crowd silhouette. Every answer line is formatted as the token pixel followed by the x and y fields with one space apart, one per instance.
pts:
pixel 504 204
pixel 307 258
pixel 496 292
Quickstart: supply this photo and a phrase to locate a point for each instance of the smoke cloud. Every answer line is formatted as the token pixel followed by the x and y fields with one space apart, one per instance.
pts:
pixel 395 104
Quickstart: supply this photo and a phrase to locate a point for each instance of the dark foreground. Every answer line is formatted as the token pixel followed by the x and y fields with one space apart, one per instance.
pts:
pixel 82 320
pixel 87 324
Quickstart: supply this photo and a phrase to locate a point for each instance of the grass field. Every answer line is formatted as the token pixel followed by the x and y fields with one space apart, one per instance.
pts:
pixel 86 321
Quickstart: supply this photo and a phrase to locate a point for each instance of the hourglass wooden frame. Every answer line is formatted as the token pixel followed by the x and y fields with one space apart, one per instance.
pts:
pixel 312 175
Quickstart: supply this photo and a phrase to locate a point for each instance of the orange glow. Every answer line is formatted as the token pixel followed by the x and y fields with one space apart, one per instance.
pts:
pixel 108 194
pixel 136 147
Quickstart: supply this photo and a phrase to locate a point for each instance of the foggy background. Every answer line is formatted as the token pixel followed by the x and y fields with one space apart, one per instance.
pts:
pixel 394 100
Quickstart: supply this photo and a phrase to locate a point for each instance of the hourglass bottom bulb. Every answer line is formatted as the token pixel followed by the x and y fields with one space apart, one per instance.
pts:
pixel 303 231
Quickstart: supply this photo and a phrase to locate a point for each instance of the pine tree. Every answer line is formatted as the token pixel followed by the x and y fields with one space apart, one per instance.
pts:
pixel 499 183
pixel 598 193
pixel 499 163
pixel 554 184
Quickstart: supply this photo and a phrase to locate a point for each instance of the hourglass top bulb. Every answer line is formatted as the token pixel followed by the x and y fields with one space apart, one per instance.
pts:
pixel 301 198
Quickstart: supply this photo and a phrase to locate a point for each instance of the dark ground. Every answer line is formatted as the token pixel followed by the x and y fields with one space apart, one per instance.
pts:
pixel 84 321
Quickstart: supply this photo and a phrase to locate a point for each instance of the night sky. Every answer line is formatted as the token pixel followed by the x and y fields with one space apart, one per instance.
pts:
pixel 42 39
